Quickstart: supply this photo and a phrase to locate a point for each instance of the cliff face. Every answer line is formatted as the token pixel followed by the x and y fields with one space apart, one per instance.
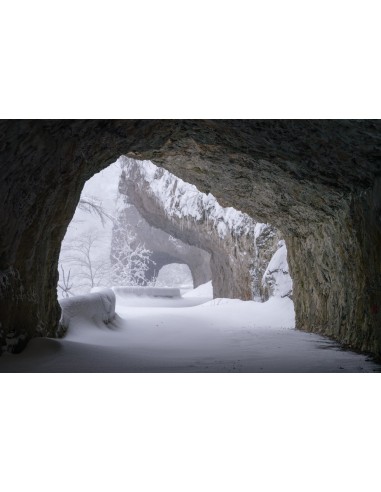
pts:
pixel 318 182
pixel 239 249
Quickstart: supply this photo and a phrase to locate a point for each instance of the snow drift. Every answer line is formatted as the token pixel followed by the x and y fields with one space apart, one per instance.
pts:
pixel 204 290
pixel 97 306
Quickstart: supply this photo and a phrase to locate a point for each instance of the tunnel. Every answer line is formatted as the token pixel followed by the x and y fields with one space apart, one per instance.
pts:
pixel 317 181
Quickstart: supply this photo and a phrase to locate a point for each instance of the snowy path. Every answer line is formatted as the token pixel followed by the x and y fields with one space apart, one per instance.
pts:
pixel 189 335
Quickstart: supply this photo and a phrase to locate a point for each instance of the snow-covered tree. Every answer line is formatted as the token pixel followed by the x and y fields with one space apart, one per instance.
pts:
pixel 129 261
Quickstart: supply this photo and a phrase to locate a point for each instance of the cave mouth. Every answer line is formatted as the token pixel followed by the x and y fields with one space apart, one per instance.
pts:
pixel 134 218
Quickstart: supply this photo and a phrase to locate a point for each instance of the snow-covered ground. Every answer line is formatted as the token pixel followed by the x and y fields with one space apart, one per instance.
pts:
pixel 190 334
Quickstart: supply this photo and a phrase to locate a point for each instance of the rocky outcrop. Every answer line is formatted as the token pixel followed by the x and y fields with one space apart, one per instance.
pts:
pixel 239 249
pixel 318 182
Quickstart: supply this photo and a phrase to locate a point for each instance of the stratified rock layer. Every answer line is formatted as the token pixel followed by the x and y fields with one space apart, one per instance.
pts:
pixel 319 182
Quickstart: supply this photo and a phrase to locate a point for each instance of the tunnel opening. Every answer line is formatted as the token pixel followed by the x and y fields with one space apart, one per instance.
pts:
pixel 133 218
pixel 175 275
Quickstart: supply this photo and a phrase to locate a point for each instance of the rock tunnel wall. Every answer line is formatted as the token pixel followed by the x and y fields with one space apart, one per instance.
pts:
pixel 317 181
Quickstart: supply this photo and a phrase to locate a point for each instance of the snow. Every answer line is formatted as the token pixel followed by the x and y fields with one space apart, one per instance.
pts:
pixel 97 306
pixel 122 291
pixel 277 272
pixel 188 334
pixel 275 313
pixel 204 291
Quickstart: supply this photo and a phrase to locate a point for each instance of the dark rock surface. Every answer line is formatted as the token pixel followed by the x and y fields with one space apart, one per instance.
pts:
pixel 319 182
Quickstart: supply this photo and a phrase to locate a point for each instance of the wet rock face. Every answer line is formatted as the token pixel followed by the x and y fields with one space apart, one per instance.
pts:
pixel 316 181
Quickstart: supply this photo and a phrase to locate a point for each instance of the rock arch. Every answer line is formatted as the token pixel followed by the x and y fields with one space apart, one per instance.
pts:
pixel 162 259
pixel 319 182
pixel 165 249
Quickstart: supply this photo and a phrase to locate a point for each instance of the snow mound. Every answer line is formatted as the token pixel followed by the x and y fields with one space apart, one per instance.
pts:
pixel 277 275
pixel 203 290
pixel 97 306
pixel 147 291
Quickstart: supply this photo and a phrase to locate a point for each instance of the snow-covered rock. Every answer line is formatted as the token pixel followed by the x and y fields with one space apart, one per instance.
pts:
pixel 276 279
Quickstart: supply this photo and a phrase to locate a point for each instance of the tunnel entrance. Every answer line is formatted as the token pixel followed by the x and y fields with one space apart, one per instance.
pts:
pixel 134 218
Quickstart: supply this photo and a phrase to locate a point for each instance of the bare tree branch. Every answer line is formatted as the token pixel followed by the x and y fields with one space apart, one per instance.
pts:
pixel 93 205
